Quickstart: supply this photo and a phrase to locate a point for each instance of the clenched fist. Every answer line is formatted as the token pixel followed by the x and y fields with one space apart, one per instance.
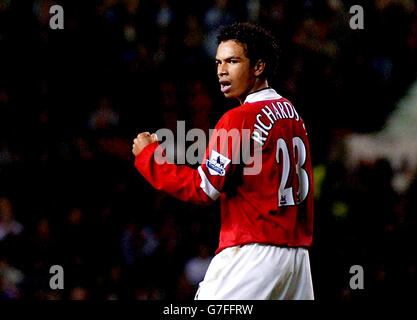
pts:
pixel 142 140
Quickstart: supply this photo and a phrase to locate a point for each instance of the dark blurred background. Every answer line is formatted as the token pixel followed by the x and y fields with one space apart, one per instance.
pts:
pixel 72 100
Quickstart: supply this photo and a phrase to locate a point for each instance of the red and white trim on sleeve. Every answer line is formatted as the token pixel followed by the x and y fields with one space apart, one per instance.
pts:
pixel 207 187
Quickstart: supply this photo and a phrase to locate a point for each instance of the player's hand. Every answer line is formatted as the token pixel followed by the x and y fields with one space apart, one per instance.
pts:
pixel 142 140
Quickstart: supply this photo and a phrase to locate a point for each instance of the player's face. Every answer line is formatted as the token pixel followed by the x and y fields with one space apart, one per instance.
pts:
pixel 236 76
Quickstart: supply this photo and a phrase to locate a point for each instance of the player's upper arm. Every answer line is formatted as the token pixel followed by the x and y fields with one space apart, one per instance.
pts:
pixel 223 154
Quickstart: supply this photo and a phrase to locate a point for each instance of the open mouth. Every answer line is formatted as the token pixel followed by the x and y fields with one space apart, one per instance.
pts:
pixel 225 86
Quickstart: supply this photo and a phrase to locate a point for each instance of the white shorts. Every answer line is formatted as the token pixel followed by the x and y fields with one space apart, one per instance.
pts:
pixel 258 272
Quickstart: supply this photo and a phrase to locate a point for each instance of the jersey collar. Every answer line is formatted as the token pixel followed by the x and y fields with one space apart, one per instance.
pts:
pixel 261 95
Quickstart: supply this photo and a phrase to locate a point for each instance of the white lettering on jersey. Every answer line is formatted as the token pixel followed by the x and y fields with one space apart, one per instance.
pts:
pixel 263 128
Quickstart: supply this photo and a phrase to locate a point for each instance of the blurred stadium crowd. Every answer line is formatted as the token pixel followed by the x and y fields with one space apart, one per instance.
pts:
pixel 72 100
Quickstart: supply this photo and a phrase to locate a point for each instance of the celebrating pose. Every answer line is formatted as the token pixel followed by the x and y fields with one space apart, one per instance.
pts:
pixel 266 214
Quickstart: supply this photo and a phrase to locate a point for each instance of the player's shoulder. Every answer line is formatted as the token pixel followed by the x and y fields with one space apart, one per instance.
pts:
pixel 280 108
pixel 262 102
pixel 253 105
pixel 234 116
pixel 258 99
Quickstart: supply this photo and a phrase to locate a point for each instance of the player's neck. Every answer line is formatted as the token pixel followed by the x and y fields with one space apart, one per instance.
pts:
pixel 258 85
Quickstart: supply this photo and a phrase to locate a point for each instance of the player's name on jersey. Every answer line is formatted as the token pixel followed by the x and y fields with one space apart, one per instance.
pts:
pixel 271 113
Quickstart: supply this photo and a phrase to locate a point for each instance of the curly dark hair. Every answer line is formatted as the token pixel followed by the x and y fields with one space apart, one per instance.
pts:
pixel 257 42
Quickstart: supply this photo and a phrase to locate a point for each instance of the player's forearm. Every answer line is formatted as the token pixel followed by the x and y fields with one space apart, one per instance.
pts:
pixel 181 182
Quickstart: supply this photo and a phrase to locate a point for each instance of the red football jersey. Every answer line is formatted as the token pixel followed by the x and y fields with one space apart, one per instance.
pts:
pixel 258 163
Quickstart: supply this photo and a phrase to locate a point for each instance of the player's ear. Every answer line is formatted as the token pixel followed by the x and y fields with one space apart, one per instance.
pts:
pixel 259 67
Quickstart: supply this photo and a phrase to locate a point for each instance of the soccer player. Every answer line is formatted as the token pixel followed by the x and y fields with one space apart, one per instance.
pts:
pixel 266 213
